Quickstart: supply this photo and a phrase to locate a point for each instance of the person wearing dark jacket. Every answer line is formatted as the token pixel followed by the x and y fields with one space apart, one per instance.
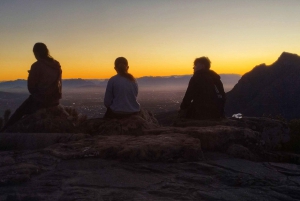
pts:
pixel 44 85
pixel 205 96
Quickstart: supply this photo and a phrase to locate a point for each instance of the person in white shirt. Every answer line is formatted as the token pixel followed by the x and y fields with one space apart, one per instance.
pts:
pixel 121 92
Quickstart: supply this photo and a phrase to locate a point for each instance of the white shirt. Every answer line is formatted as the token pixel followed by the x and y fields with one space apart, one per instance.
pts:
pixel 120 95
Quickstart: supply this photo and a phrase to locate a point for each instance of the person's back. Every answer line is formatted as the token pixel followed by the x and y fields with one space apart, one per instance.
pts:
pixel 124 95
pixel 205 96
pixel 44 81
pixel 121 92
pixel 44 85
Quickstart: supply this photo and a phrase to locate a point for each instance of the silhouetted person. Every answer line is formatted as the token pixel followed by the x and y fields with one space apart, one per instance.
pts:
pixel 44 84
pixel 205 96
pixel 121 92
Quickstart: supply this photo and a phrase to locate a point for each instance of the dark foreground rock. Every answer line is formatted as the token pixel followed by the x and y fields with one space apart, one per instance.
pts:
pixel 133 126
pixel 32 175
pixel 136 159
pixel 31 141
pixel 268 89
pixel 165 147
pixel 60 119
pixel 57 119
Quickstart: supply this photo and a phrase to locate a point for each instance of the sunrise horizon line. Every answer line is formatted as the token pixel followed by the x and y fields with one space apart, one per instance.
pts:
pixel 74 78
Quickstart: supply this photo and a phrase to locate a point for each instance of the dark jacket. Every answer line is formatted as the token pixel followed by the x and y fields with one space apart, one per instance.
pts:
pixel 44 82
pixel 200 99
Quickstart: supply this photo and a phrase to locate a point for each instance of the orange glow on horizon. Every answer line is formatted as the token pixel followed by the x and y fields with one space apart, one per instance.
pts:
pixel 71 71
pixel 159 38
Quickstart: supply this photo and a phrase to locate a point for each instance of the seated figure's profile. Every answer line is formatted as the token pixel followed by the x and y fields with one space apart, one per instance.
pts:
pixel 121 92
pixel 44 84
pixel 205 96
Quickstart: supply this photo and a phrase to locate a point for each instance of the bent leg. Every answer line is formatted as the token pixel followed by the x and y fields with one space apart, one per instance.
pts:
pixel 27 107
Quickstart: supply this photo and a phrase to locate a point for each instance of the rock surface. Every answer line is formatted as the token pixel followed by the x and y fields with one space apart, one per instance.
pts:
pixel 165 147
pixel 134 126
pixel 57 119
pixel 62 119
pixel 32 175
pixel 31 141
pixel 273 89
pixel 136 159
pixel 271 133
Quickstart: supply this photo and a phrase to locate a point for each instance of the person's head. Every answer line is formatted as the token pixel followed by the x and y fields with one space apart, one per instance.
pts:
pixel 41 51
pixel 121 66
pixel 201 63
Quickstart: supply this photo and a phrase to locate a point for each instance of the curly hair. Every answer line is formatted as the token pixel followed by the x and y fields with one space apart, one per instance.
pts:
pixel 203 60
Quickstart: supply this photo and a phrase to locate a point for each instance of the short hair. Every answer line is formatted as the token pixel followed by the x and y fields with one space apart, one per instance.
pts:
pixel 120 60
pixel 203 60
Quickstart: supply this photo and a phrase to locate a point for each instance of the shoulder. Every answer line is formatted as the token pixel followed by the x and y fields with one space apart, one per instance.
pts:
pixel 36 66
pixel 199 75
pixel 56 62
pixel 113 78
pixel 214 74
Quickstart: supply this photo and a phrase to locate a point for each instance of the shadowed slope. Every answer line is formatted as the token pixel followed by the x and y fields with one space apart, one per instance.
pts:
pixel 273 89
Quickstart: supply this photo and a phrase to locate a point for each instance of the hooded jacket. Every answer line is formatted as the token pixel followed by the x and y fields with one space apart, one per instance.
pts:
pixel 44 81
pixel 200 98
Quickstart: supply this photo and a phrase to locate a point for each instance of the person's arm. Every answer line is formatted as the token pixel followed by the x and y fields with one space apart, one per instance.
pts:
pixel 136 89
pixel 108 98
pixel 33 79
pixel 189 95
pixel 220 87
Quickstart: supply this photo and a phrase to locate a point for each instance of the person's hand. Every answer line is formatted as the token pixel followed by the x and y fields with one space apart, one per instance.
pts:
pixel 182 113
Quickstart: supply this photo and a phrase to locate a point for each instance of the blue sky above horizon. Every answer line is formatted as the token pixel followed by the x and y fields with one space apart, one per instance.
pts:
pixel 158 38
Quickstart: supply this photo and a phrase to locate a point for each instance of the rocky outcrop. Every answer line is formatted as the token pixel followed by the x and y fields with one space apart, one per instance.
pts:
pixel 270 133
pixel 34 141
pixel 136 159
pixel 62 119
pixel 36 176
pixel 57 119
pixel 273 89
pixel 134 126
pixel 141 138
pixel 164 147
pixel 248 138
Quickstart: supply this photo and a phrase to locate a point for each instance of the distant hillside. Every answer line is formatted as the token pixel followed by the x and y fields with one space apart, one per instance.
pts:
pixel 15 84
pixel 181 82
pixel 273 89
pixel 74 83
pixel 7 95
pixel 161 83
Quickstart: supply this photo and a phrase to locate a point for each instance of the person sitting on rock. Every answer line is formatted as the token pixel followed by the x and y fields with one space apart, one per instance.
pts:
pixel 44 85
pixel 205 96
pixel 121 92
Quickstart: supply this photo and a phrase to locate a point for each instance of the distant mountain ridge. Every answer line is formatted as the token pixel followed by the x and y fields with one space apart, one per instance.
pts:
pixel 181 81
pixel 273 89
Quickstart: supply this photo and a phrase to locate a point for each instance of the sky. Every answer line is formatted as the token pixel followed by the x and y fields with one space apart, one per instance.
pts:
pixel 158 37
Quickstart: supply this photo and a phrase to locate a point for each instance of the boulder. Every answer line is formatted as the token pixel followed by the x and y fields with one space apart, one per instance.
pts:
pixel 58 119
pixel 272 133
pixel 134 125
pixel 32 141
pixel 252 138
pixel 165 147
pixel 216 138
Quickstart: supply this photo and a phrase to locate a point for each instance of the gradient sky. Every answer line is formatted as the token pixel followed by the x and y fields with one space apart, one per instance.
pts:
pixel 158 38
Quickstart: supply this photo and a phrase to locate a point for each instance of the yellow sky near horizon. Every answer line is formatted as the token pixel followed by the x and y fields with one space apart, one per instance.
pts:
pixel 158 38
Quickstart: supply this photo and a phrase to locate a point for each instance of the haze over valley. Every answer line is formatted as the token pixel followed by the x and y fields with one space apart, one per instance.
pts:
pixel 157 94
